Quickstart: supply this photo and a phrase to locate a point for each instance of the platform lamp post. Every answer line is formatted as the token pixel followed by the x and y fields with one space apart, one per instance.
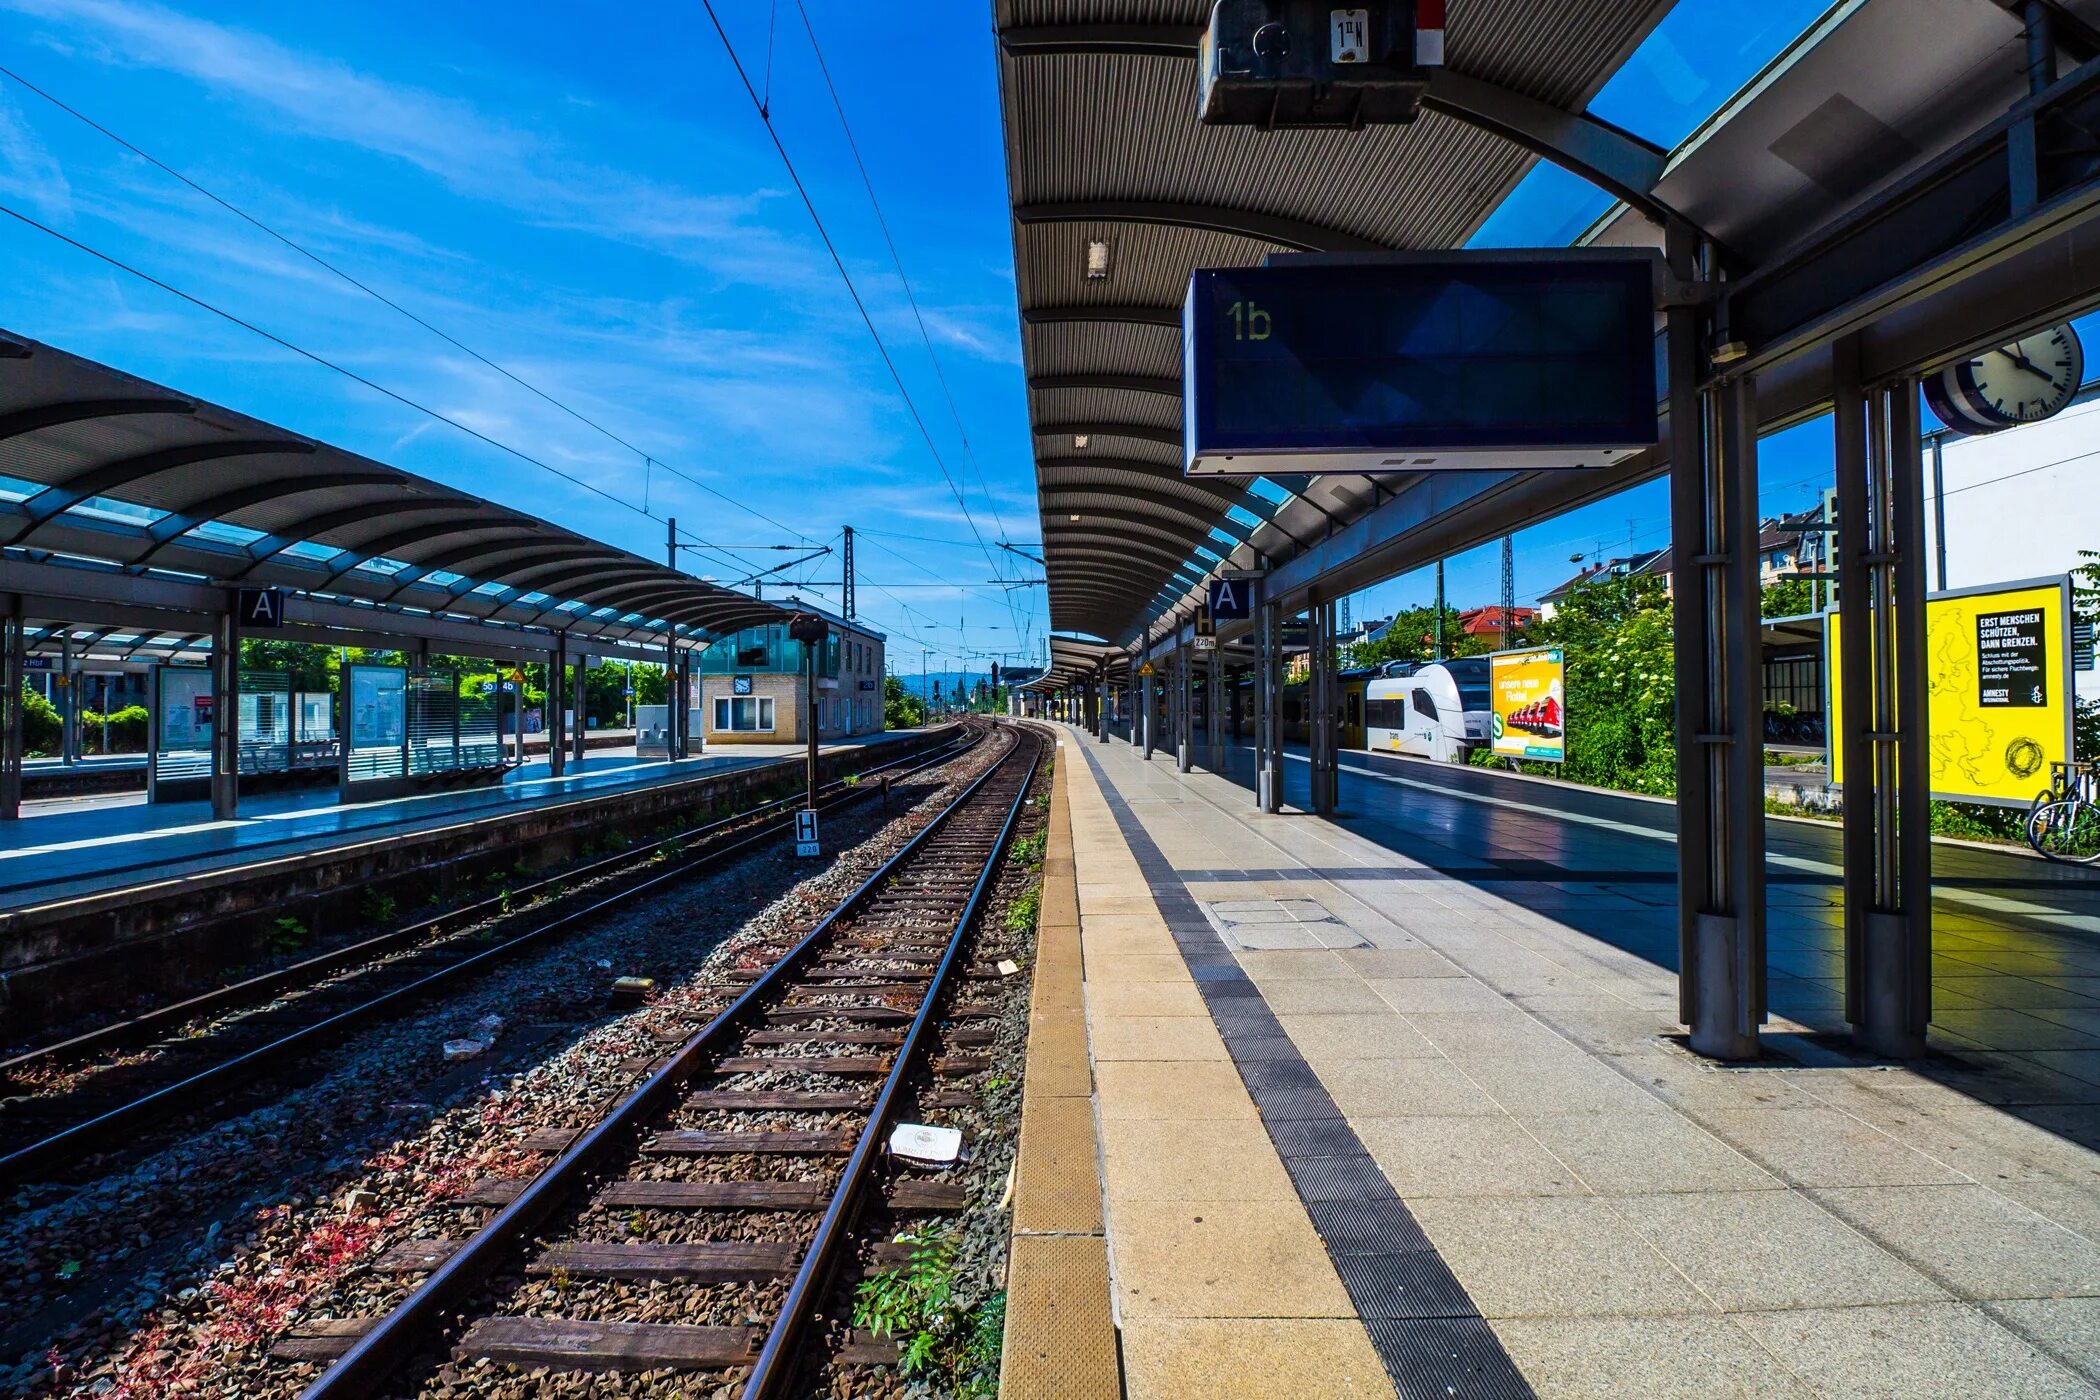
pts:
pixel 810 630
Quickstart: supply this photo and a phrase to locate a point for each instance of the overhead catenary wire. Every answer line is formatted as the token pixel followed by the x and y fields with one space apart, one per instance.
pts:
pixel 896 260
pixel 650 461
pixel 324 362
pixel 838 261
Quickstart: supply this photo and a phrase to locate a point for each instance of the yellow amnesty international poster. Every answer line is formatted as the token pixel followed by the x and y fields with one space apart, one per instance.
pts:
pixel 1998 681
pixel 1530 696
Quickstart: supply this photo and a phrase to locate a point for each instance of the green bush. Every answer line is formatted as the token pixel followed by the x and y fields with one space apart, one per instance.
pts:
pixel 956 1349
pixel 125 731
pixel 900 708
pixel 1021 914
pixel 1972 821
pixel 41 726
pixel 1617 644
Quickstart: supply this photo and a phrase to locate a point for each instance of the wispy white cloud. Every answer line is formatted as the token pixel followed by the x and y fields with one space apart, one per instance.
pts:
pixel 27 169
pixel 474 153
pixel 948 328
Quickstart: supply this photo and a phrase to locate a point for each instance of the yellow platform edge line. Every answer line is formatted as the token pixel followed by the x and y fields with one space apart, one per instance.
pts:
pixel 1060 1341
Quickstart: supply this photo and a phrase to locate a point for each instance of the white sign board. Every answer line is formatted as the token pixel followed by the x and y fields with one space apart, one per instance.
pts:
pixel 806 833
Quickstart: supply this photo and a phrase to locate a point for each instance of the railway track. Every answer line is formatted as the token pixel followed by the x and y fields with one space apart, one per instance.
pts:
pixel 755 1146
pixel 270 1022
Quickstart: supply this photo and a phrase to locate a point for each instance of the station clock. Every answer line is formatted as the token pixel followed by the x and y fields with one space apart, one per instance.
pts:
pixel 2024 382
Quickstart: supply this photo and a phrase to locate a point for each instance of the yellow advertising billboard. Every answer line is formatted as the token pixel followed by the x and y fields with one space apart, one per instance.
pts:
pixel 1998 685
pixel 1529 692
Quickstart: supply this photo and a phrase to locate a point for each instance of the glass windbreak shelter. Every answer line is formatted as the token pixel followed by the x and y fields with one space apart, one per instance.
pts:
pixel 404 726
pixel 280 732
pixel 388 726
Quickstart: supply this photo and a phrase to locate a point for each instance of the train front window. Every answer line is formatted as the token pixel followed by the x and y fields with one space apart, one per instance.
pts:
pixel 1472 677
pixel 1424 706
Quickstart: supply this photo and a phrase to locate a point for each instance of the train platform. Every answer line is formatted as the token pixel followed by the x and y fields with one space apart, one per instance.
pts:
pixel 1397 1103
pixel 79 846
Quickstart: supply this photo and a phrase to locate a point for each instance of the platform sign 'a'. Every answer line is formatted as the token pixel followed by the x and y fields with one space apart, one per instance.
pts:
pixel 1231 599
pixel 260 607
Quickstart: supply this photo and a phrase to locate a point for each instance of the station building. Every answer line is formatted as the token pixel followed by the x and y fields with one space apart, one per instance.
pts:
pixel 754 685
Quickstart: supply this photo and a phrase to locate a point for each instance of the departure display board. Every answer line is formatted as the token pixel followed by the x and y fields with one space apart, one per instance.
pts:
pixel 1999 696
pixel 1408 362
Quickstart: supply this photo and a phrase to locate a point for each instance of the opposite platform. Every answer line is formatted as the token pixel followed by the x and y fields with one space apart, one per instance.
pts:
pixel 1370 1127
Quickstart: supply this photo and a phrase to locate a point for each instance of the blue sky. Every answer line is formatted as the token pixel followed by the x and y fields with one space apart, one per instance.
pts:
pixel 585 195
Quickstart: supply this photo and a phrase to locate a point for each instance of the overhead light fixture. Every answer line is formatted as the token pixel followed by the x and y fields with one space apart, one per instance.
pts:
pixel 1080 440
pixel 1097 260
pixel 1073 518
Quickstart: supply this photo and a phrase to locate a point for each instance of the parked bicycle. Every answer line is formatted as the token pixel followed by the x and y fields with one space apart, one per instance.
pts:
pixel 2064 823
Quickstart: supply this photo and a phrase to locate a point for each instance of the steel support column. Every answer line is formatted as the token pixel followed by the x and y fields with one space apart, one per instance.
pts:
pixel 1185 721
pixel 69 685
pixel 1216 701
pixel 14 639
pixel 226 714
pixel 1148 706
pixel 689 665
pixel 1323 743
pixel 557 725
pixel 1885 743
pixel 1133 692
pixel 1720 739
pixel 672 748
pixel 580 691
pixel 1268 727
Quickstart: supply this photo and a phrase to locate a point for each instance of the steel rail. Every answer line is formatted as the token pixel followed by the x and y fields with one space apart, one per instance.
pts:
pixel 364 1369
pixel 143 1027
pixel 214 1081
pixel 772 1369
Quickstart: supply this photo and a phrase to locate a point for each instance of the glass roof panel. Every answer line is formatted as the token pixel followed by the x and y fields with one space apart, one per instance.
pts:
pixel 1689 66
pixel 226 533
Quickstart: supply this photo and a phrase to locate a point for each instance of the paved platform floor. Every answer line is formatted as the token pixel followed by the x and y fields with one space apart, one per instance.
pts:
pixel 1391 1104
pixel 91 844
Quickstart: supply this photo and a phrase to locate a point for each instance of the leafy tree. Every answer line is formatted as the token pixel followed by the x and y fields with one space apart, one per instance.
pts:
pixel 1412 637
pixel 1789 597
pixel 900 708
pixel 310 665
pixel 1620 655
pixel 121 732
pixel 41 725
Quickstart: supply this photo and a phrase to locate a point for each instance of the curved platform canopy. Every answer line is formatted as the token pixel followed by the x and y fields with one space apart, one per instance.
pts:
pixel 96 465
pixel 1074 659
pixel 1138 186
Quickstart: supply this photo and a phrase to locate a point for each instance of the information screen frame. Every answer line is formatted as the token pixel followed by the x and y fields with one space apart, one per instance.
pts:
pixel 1952 673
pixel 1274 355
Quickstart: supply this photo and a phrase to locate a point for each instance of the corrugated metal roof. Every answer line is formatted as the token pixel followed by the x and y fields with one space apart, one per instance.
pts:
pixel 1103 144
pixel 73 432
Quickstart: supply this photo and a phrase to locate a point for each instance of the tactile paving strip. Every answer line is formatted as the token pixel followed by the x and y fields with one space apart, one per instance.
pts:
pixel 1060 1341
pixel 1420 1319
pixel 1060 1334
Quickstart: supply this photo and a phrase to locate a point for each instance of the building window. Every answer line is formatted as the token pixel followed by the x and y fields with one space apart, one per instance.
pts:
pixel 744 714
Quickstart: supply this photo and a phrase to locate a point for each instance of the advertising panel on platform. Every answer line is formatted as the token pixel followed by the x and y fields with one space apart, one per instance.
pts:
pixel 1530 694
pixel 1998 685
